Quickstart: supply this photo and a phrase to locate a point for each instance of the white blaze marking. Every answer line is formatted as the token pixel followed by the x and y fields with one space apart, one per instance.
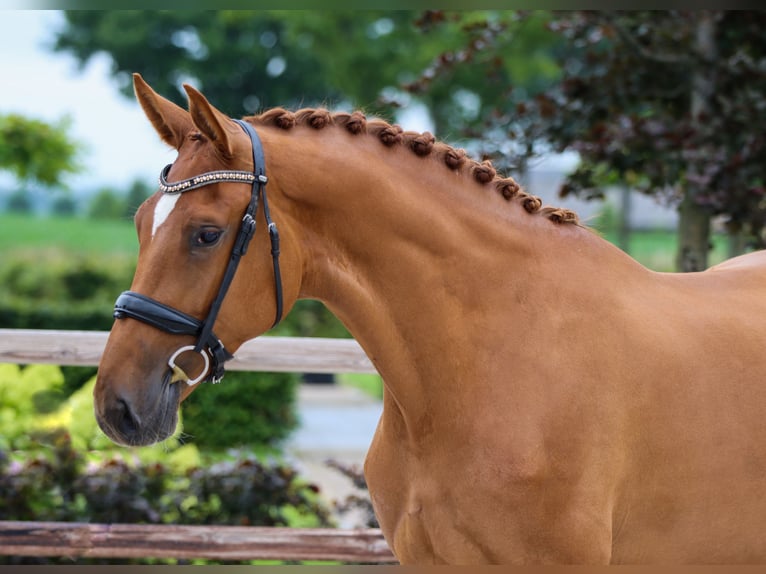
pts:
pixel 163 209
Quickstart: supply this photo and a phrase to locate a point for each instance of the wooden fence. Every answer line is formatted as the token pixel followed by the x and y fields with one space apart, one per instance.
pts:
pixel 224 543
pixel 79 540
pixel 265 354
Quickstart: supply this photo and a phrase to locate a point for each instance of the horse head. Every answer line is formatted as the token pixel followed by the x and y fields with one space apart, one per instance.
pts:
pixel 181 321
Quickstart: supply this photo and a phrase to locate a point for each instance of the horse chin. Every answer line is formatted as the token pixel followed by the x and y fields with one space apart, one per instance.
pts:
pixel 130 423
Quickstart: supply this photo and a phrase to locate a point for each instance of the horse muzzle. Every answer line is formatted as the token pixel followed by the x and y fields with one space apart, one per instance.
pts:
pixel 137 420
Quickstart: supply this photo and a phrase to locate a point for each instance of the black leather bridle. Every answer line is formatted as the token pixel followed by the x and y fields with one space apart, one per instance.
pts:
pixel 209 346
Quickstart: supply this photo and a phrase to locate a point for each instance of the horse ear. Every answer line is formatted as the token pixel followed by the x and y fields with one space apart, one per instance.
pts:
pixel 171 121
pixel 215 125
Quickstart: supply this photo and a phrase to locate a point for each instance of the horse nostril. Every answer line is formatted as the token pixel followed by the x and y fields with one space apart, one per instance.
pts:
pixel 127 422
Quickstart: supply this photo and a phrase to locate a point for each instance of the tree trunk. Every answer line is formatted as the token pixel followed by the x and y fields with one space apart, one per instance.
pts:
pixel 626 216
pixel 737 243
pixel 694 220
pixel 693 235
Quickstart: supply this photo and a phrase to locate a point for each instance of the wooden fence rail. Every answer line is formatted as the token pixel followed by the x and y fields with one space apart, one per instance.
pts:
pixel 240 543
pixel 267 354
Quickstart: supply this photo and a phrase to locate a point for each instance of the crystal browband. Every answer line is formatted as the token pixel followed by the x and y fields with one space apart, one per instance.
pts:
pixel 204 179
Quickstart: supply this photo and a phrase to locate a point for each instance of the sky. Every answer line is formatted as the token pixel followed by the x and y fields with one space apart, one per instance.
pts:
pixel 120 143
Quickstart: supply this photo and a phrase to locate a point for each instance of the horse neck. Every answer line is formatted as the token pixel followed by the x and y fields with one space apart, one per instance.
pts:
pixel 412 257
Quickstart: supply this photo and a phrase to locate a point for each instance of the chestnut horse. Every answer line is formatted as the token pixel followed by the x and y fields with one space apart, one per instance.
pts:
pixel 547 398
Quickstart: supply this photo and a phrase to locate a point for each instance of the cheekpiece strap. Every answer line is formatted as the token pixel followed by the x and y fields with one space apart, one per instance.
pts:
pixel 203 179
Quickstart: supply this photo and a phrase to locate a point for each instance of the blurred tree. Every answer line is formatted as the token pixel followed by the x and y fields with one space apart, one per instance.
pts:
pixel 245 61
pixel 36 151
pixel 669 103
pixel 19 202
pixel 493 61
pixel 137 192
pixel 106 204
pixel 251 60
pixel 64 205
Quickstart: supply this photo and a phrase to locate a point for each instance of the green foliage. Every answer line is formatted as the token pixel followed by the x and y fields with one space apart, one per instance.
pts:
pixel 57 465
pixel 37 151
pixel 254 410
pixel 640 99
pixel 106 204
pixel 77 417
pixel 35 404
pixel 54 291
pixel 137 193
pixel 310 318
pixel 244 409
pixel 75 377
pixel 353 502
pixel 249 60
pixel 64 206
pixel 490 62
pixel 369 384
pixel 19 202
pixel 25 395
pixel 110 203
pixel 62 484
pixel 362 58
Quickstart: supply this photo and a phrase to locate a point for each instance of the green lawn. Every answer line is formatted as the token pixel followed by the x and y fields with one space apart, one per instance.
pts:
pixel 67 234
pixel 656 249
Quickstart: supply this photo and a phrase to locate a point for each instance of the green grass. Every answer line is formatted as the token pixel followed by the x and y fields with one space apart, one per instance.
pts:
pixel 368 384
pixel 656 249
pixel 67 234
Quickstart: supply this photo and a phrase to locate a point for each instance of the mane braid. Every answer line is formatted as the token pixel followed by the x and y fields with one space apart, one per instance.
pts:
pixel 422 144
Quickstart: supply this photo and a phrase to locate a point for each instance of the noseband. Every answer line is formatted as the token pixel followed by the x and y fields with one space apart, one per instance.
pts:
pixel 209 346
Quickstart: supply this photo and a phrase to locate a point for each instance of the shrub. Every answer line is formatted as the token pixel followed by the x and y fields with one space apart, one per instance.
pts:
pixel 106 204
pixel 244 409
pixel 354 502
pixel 57 465
pixel 61 292
pixel 254 410
pixel 25 395
pixel 64 206
pixel 61 485
pixel 19 202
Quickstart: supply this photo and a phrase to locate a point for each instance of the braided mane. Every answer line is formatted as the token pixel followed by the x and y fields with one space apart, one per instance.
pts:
pixel 422 144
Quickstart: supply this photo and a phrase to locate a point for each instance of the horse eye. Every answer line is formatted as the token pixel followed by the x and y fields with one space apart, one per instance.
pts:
pixel 207 237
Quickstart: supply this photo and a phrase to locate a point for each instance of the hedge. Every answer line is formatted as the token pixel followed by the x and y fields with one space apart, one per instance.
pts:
pixel 61 484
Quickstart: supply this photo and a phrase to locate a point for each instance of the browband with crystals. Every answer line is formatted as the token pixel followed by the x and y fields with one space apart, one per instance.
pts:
pixel 204 179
